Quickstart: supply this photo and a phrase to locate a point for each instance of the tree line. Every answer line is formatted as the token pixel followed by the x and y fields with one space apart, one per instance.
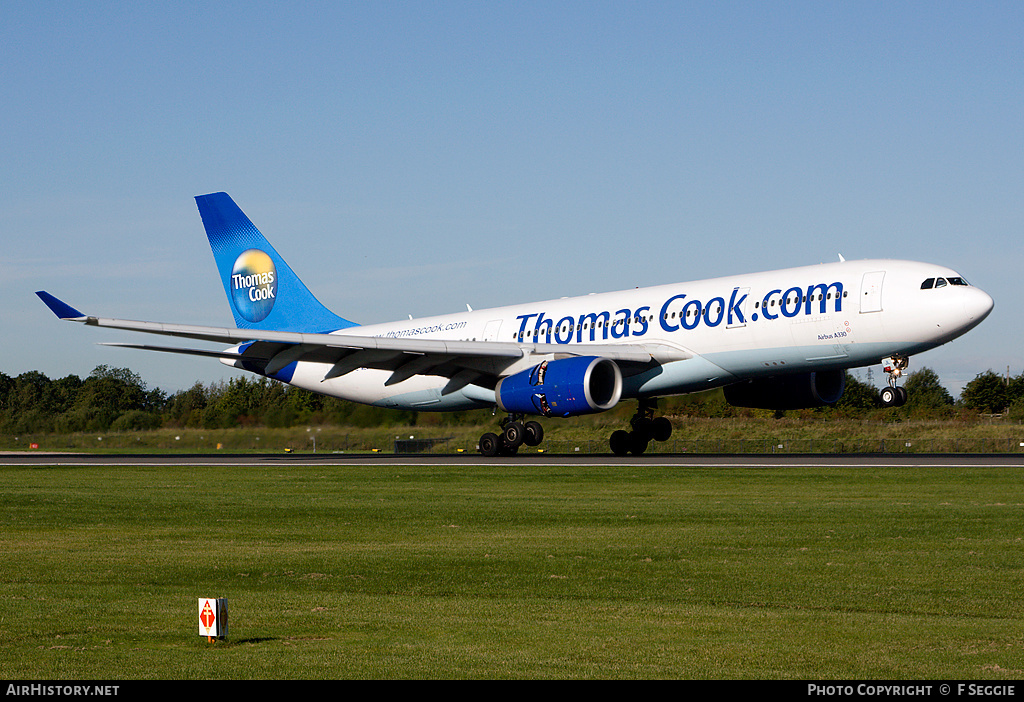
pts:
pixel 117 399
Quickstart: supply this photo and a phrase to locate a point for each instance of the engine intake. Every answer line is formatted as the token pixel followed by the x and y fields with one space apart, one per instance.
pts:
pixel 784 392
pixel 562 388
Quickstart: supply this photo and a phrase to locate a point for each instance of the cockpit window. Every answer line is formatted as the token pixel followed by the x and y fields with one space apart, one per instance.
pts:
pixel 930 283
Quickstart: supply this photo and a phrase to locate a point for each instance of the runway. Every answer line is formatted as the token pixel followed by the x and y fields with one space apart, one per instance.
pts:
pixel 867 460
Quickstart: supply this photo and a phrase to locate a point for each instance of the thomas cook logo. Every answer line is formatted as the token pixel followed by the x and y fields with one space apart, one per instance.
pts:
pixel 254 285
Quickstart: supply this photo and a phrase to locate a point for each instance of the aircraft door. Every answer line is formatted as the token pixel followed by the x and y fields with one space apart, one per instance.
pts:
pixel 737 316
pixel 871 292
pixel 491 330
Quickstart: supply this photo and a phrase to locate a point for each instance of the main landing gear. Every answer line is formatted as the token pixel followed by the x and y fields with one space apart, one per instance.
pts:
pixel 514 433
pixel 645 426
pixel 894 396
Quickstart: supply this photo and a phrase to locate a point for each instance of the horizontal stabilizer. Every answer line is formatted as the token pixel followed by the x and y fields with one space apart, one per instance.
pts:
pixel 174 349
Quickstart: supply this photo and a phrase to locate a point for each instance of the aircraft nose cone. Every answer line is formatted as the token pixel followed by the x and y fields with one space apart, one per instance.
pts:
pixel 977 304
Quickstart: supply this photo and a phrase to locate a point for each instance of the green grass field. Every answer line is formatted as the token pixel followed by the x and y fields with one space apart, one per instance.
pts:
pixel 579 435
pixel 513 572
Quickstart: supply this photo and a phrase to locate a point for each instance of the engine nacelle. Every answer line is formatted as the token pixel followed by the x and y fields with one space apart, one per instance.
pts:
pixel 562 388
pixel 784 392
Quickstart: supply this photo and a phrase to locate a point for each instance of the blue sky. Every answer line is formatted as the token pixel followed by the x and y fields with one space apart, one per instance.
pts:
pixel 413 157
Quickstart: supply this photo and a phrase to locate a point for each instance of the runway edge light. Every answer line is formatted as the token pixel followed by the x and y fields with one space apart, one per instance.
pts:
pixel 213 617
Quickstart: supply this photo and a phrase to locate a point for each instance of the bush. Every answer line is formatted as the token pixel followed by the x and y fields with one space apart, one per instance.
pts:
pixel 136 420
pixel 986 393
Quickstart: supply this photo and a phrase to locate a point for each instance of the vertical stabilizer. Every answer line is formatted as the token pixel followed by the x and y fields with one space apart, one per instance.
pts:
pixel 263 291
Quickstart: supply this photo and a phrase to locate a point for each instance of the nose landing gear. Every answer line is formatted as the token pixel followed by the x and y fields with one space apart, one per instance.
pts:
pixel 894 396
pixel 645 426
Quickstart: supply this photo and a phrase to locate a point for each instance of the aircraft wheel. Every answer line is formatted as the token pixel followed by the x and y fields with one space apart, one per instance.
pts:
pixel 889 397
pixel 490 444
pixel 513 435
pixel 620 442
pixel 533 433
pixel 638 443
pixel 901 397
pixel 507 450
pixel 661 428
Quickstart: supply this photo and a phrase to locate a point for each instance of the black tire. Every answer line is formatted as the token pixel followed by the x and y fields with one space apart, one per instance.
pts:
pixel 490 444
pixel 508 450
pixel 888 397
pixel 620 442
pixel 533 434
pixel 661 428
pixel 901 397
pixel 513 435
pixel 638 443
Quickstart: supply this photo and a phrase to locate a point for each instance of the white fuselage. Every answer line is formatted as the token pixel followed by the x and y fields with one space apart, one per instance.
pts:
pixel 834 315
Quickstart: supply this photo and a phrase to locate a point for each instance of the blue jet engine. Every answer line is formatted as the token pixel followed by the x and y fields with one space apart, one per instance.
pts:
pixel 562 388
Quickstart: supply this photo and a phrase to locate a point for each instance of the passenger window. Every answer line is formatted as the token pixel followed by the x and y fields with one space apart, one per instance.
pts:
pixel 928 283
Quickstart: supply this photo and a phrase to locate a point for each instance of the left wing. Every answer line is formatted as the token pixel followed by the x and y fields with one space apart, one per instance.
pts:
pixel 463 362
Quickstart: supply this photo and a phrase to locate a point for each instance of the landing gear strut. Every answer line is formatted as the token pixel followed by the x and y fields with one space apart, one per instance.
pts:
pixel 894 396
pixel 514 433
pixel 645 426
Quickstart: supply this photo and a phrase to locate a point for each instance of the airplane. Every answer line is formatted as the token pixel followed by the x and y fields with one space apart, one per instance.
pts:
pixel 780 339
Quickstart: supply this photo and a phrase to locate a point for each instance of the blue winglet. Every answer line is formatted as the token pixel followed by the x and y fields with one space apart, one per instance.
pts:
pixel 61 309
